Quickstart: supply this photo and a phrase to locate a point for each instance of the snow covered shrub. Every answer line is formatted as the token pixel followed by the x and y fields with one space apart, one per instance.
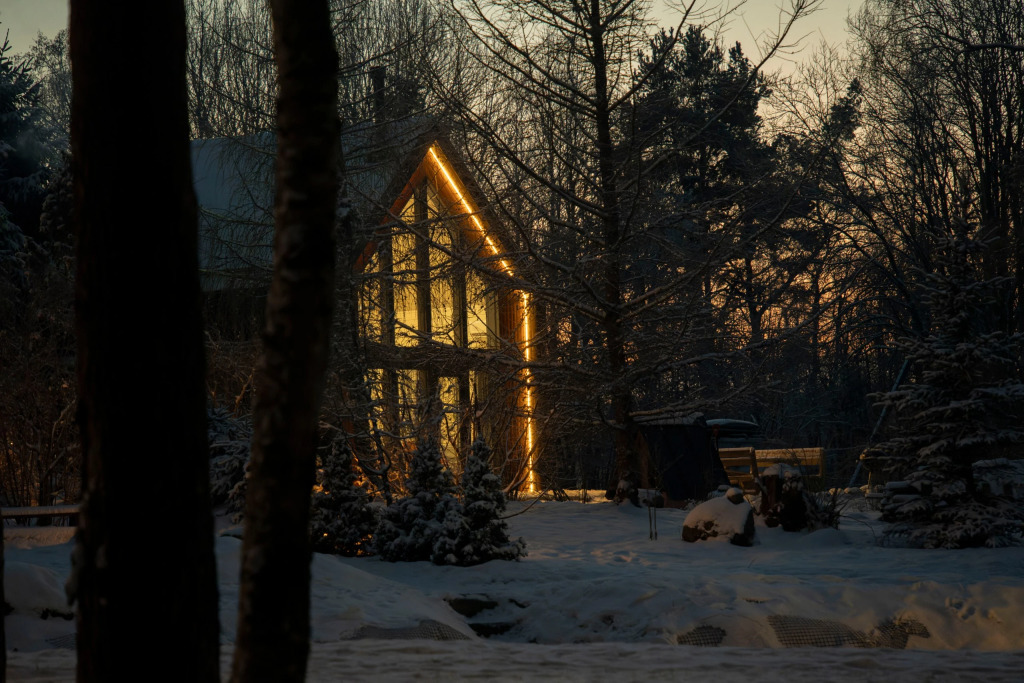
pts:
pixel 484 534
pixel 824 509
pixel 39 443
pixel 230 440
pixel 784 500
pixel 341 519
pixel 963 405
pixel 427 524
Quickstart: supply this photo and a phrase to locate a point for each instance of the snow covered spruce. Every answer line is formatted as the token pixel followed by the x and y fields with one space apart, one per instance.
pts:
pixel 484 532
pixel 431 524
pixel 426 524
pixel 341 521
pixel 961 407
pixel 229 440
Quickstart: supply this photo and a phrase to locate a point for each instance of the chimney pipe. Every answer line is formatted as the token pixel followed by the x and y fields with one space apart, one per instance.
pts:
pixel 377 74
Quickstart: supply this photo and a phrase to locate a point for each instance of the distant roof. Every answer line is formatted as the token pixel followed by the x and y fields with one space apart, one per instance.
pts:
pixel 734 425
pixel 234 185
pixel 672 420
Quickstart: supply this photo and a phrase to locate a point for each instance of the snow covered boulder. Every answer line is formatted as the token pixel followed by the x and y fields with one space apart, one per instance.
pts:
pixel 729 517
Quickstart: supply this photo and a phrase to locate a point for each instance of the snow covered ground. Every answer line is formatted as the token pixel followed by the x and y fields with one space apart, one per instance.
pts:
pixel 597 598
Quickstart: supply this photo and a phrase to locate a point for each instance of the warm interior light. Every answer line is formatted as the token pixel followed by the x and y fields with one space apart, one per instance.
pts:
pixel 531 479
pixel 469 210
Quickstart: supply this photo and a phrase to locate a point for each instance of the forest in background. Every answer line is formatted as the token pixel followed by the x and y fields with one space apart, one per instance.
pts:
pixel 696 231
pixel 694 234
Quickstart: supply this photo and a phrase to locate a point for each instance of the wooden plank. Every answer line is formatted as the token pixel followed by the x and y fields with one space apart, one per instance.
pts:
pixel 41 511
pixel 812 459
pixel 741 466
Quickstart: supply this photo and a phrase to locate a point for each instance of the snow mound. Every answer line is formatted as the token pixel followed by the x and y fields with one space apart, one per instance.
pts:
pixel 31 589
pixel 428 629
pixel 346 599
pixel 728 518
pixel 40 618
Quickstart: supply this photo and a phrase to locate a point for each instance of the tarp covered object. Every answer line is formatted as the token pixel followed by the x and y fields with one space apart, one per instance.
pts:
pixel 682 459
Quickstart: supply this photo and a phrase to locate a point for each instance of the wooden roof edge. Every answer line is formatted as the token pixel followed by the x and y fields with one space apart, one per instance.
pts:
pixel 401 185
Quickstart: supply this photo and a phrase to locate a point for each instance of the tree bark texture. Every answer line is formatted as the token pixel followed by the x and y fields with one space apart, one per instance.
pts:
pixel 142 409
pixel 621 390
pixel 3 600
pixel 272 642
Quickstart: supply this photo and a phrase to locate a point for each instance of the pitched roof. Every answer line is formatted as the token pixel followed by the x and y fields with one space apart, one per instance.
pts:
pixel 234 185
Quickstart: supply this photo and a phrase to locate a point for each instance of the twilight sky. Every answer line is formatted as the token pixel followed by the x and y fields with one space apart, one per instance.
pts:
pixel 24 18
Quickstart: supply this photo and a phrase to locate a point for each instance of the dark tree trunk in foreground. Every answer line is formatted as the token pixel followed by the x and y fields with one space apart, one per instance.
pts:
pixel 272 642
pixel 3 598
pixel 146 528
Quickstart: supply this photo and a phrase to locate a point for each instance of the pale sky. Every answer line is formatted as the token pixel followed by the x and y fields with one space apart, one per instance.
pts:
pixel 752 22
pixel 24 18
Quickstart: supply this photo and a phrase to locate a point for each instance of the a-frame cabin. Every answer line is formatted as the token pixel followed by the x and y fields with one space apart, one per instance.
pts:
pixel 444 335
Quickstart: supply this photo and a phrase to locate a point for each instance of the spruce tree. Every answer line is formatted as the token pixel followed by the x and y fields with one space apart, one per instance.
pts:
pixel 341 520
pixel 964 405
pixel 25 144
pixel 485 533
pixel 426 524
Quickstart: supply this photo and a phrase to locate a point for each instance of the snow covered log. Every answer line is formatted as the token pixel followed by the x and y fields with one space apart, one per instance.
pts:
pixel 729 516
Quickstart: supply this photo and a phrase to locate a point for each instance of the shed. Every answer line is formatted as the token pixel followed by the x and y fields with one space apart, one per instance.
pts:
pixel 681 457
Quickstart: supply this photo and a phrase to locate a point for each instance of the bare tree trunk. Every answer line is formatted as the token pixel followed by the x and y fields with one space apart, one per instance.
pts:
pixel 621 391
pixel 272 642
pixel 3 600
pixel 140 351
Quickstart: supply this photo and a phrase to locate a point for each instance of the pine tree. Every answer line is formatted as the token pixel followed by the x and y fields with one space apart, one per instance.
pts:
pixel 426 524
pixel 964 406
pixel 25 144
pixel 341 520
pixel 485 534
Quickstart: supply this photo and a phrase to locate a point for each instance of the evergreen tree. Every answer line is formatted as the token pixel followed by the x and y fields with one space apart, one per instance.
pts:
pixel 341 520
pixel 24 143
pixel 425 525
pixel 699 107
pixel 485 534
pixel 964 406
pixel 50 65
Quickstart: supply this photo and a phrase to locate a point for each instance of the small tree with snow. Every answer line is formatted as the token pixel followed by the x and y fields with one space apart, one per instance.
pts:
pixel 341 520
pixel 425 525
pixel 964 405
pixel 485 534
pixel 230 441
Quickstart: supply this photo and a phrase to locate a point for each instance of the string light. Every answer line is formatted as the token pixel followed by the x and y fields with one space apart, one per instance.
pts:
pixel 525 298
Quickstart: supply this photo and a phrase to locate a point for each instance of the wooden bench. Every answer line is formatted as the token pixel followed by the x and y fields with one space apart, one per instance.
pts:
pixel 20 514
pixel 741 466
pixel 810 461
pixel 744 464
